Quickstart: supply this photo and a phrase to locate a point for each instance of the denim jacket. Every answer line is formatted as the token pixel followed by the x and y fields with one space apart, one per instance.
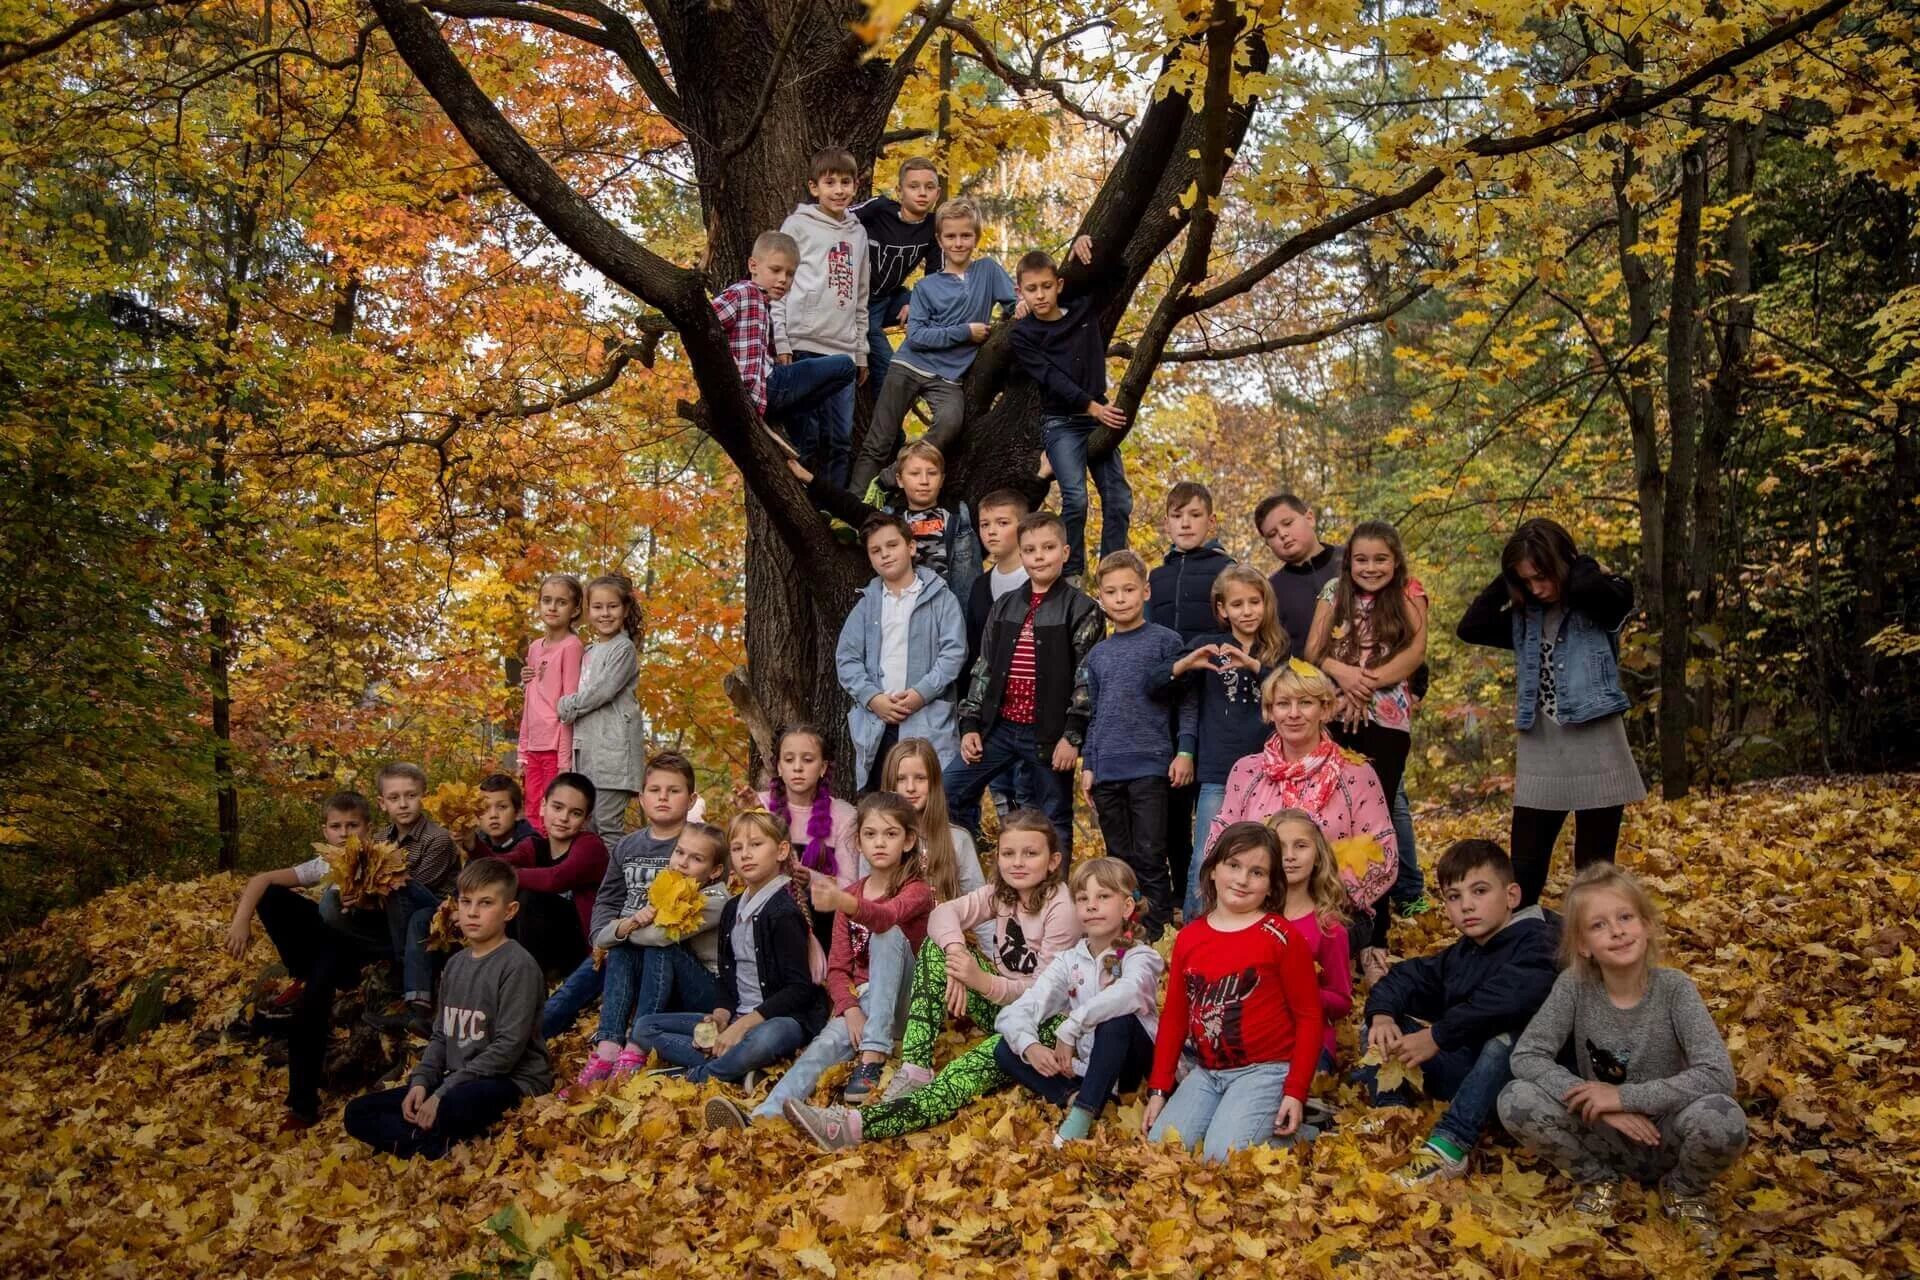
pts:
pixel 1586 661
pixel 936 649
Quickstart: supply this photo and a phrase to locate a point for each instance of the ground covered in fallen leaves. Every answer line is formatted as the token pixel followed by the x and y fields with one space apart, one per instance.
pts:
pixel 156 1152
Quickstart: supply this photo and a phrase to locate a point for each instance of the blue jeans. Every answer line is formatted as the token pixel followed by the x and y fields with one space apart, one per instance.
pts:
pixel 1004 746
pixel 1224 1111
pixel 1122 1055
pixel 642 981
pixel 671 1036
pixel 1065 443
pixel 1410 884
pixel 1205 809
pixel 1013 789
pixel 892 959
pixel 817 404
pixel 410 911
pixel 1469 1080
pixel 581 988
pixel 881 313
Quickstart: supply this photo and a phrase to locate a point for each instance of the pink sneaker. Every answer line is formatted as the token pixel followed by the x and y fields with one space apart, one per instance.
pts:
pixel 629 1062
pixel 596 1070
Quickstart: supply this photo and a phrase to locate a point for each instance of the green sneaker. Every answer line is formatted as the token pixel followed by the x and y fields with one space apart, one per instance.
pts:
pixel 1418 907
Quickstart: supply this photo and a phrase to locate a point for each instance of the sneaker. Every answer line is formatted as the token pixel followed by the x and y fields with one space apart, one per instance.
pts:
pixel 1598 1200
pixel 1430 1165
pixel 1417 907
pixel 627 1062
pixel 907 1077
pixel 831 1128
pixel 596 1070
pixel 725 1113
pixel 1318 1114
pixel 668 1073
pixel 864 1080
pixel 399 1015
pixel 751 1082
pixel 420 1025
pixel 298 1121
pixel 287 997
pixel 1692 1210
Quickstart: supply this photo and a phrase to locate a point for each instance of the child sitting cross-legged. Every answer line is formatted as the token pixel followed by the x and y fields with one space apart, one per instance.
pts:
pixel 1034 921
pixel 650 966
pixel 1653 1096
pixel 766 1003
pixel 877 923
pixel 1241 992
pixel 1473 998
pixel 486 1053
pixel 1107 987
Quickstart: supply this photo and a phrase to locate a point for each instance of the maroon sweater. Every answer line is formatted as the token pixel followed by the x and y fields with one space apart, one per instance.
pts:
pixel 578 873
pixel 906 910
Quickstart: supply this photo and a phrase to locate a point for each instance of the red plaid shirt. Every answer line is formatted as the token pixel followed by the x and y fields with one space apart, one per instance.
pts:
pixel 744 314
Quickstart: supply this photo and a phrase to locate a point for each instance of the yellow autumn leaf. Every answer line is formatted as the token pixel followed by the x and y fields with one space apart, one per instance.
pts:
pixel 678 905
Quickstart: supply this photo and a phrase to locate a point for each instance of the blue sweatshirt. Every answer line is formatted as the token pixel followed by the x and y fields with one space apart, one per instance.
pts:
pixel 938 339
pixel 1220 717
pixel 1128 735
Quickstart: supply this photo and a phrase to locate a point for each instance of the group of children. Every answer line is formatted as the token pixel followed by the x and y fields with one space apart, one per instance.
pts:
pixel 1241 737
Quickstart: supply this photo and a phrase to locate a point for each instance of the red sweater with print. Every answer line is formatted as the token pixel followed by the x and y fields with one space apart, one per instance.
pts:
pixel 1239 998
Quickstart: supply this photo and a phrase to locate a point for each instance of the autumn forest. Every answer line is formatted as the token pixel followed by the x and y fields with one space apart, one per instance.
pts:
pixel 328 328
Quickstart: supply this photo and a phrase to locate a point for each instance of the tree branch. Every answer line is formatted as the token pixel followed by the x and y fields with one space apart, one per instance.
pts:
pixel 1621 108
pixel 1305 338
pixel 904 64
pixel 614 34
pixel 16 51
pixel 1027 81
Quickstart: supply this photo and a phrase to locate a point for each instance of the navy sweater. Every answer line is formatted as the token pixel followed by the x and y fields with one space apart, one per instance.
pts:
pixel 1127 736
pixel 1183 590
pixel 1219 712
pixel 1474 991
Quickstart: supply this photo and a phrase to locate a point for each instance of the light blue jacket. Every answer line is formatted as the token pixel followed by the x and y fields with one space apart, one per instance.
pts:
pixel 1586 669
pixel 936 650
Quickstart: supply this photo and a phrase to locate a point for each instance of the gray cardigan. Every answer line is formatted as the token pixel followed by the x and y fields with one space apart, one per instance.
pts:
pixel 609 740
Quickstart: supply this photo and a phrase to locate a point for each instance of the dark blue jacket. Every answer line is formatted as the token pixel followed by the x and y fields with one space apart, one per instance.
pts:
pixel 1472 992
pixel 1183 590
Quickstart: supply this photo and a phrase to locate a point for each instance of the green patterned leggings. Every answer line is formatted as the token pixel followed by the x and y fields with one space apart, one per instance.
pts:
pixel 973 1074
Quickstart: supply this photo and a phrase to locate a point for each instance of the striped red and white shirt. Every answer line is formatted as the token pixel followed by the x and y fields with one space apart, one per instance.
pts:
pixel 1018 702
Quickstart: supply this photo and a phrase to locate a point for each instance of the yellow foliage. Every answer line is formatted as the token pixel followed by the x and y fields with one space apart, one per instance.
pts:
pixel 162 1158
pixel 678 905
pixel 455 806
pixel 364 871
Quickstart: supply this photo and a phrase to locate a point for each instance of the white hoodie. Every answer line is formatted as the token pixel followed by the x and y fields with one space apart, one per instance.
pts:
pixel 826 310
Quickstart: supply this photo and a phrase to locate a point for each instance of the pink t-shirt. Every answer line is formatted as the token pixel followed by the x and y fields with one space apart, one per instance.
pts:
pixel 556 673
pixel 1334 970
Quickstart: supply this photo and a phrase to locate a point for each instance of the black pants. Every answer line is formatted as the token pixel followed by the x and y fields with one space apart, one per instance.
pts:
pixel 1181 802
pixel 548 925
pixel 889 739
pixel 1386 750
pixel 1122 1055
pixel 466 1111
pixel 1133 821
pixel 323 958
pixel 1596 834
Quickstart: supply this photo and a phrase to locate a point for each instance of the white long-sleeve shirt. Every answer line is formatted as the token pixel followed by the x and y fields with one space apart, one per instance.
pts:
pixel 1073 985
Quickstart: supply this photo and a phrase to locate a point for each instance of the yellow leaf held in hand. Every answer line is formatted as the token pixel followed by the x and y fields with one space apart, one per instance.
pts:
pixel 364 871
pixel 678 905
pixel 443 933
pixel 1393 1073
pixel 1355 855
pixel 455 806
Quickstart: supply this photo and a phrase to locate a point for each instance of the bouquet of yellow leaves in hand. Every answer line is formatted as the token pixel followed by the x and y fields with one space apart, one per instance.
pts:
pixel 364 871
pixel 443 934
pixel 1365 868
pixel 455 806
pixel 678 905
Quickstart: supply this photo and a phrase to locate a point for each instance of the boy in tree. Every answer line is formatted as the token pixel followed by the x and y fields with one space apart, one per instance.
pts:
pixel 781 392
pixel 318 956
pixel 824 314
pixel 1060 345
pixel 433 863
pixel 900 240
pixel 1473 998
pixel 1019 703
pixel 946 323
pixel 943 536
pixel 486 1053
pixel 1129 739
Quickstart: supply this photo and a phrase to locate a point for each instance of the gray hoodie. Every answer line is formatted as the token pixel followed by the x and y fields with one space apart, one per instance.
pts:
pixel 826 310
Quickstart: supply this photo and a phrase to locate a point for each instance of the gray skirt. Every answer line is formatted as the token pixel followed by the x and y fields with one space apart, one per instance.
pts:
pixel 1563 767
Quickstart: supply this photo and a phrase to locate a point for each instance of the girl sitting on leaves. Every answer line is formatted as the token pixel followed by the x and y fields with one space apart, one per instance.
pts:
pixel 877 923
pixel 1034 918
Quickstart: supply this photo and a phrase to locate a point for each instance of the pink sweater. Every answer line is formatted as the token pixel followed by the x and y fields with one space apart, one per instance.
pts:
pixel 1355 806
pixel 1335 968
pixel 556 674
pixel 1027 942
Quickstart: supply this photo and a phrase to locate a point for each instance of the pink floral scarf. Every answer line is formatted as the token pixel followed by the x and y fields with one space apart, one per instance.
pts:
pixel 1306 783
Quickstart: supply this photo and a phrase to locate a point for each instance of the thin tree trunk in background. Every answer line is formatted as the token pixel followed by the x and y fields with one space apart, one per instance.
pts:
pixel 1683 430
